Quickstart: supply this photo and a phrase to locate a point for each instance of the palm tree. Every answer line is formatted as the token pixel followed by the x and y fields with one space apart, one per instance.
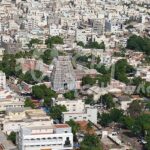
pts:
pixel 75 127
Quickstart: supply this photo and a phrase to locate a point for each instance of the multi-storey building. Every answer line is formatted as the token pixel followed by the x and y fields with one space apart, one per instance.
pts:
pixel 73 105
pixel 45 137
pixel 89 114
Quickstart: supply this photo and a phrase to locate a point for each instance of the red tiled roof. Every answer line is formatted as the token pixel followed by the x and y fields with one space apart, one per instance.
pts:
pixel 61 125
pixel 82 123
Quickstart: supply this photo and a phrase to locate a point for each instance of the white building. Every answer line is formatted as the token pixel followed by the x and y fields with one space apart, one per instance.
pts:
pixel 55 30
pixel 89 114
pixel 2 80
pixel 45 137
pixel 83 35
pixel 72 105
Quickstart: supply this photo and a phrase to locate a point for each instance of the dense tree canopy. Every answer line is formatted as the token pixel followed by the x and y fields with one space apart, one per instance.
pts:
pixel 91 142
pixel 53 40
pixel 128 122
pixel 75 127
pixel 115 115
pixel 8 65
pixel 28 103
pixel 90 44
pixel 32 77
pixel 107 100
pixel 42 92
pixel 95 45
pixel 103 80
pixel 89 99
pixel 70 95
pixel 122 69
pixel 105 119
pixel 56 111
pixel 102 68
pixel 80 44
pixel 88 80
pixel 137 81
pixel 48 56
pixel 139 126
pixel 138 43
pixel 34 41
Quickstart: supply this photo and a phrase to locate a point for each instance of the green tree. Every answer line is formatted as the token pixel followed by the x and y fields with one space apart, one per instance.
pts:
pixel 32 77
pixel 42 92
pixel 28 103
pixel 103 80
pixel 53 40
pixel 37 92
pixel 107 100
pixel 80 44
pixel 89 100
pixel 135 109
pixel 8 65
pixel 91 142
pixel 147 105
pixel 12 137
pixel 74 126
pixel 105 119
pixel 48 56
pixel 56 111
pixel 70 95
pixel 102 69
pixel 141 125
pixel 88 80
pixel 116 115
pixel 146 91
pixel 137 81
pixel 128 122
pixel 95 45
pixel 122 68
pixel 138 43
pixel 46 78
pixel 130 27
pixel 147 146
pixel 34 41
